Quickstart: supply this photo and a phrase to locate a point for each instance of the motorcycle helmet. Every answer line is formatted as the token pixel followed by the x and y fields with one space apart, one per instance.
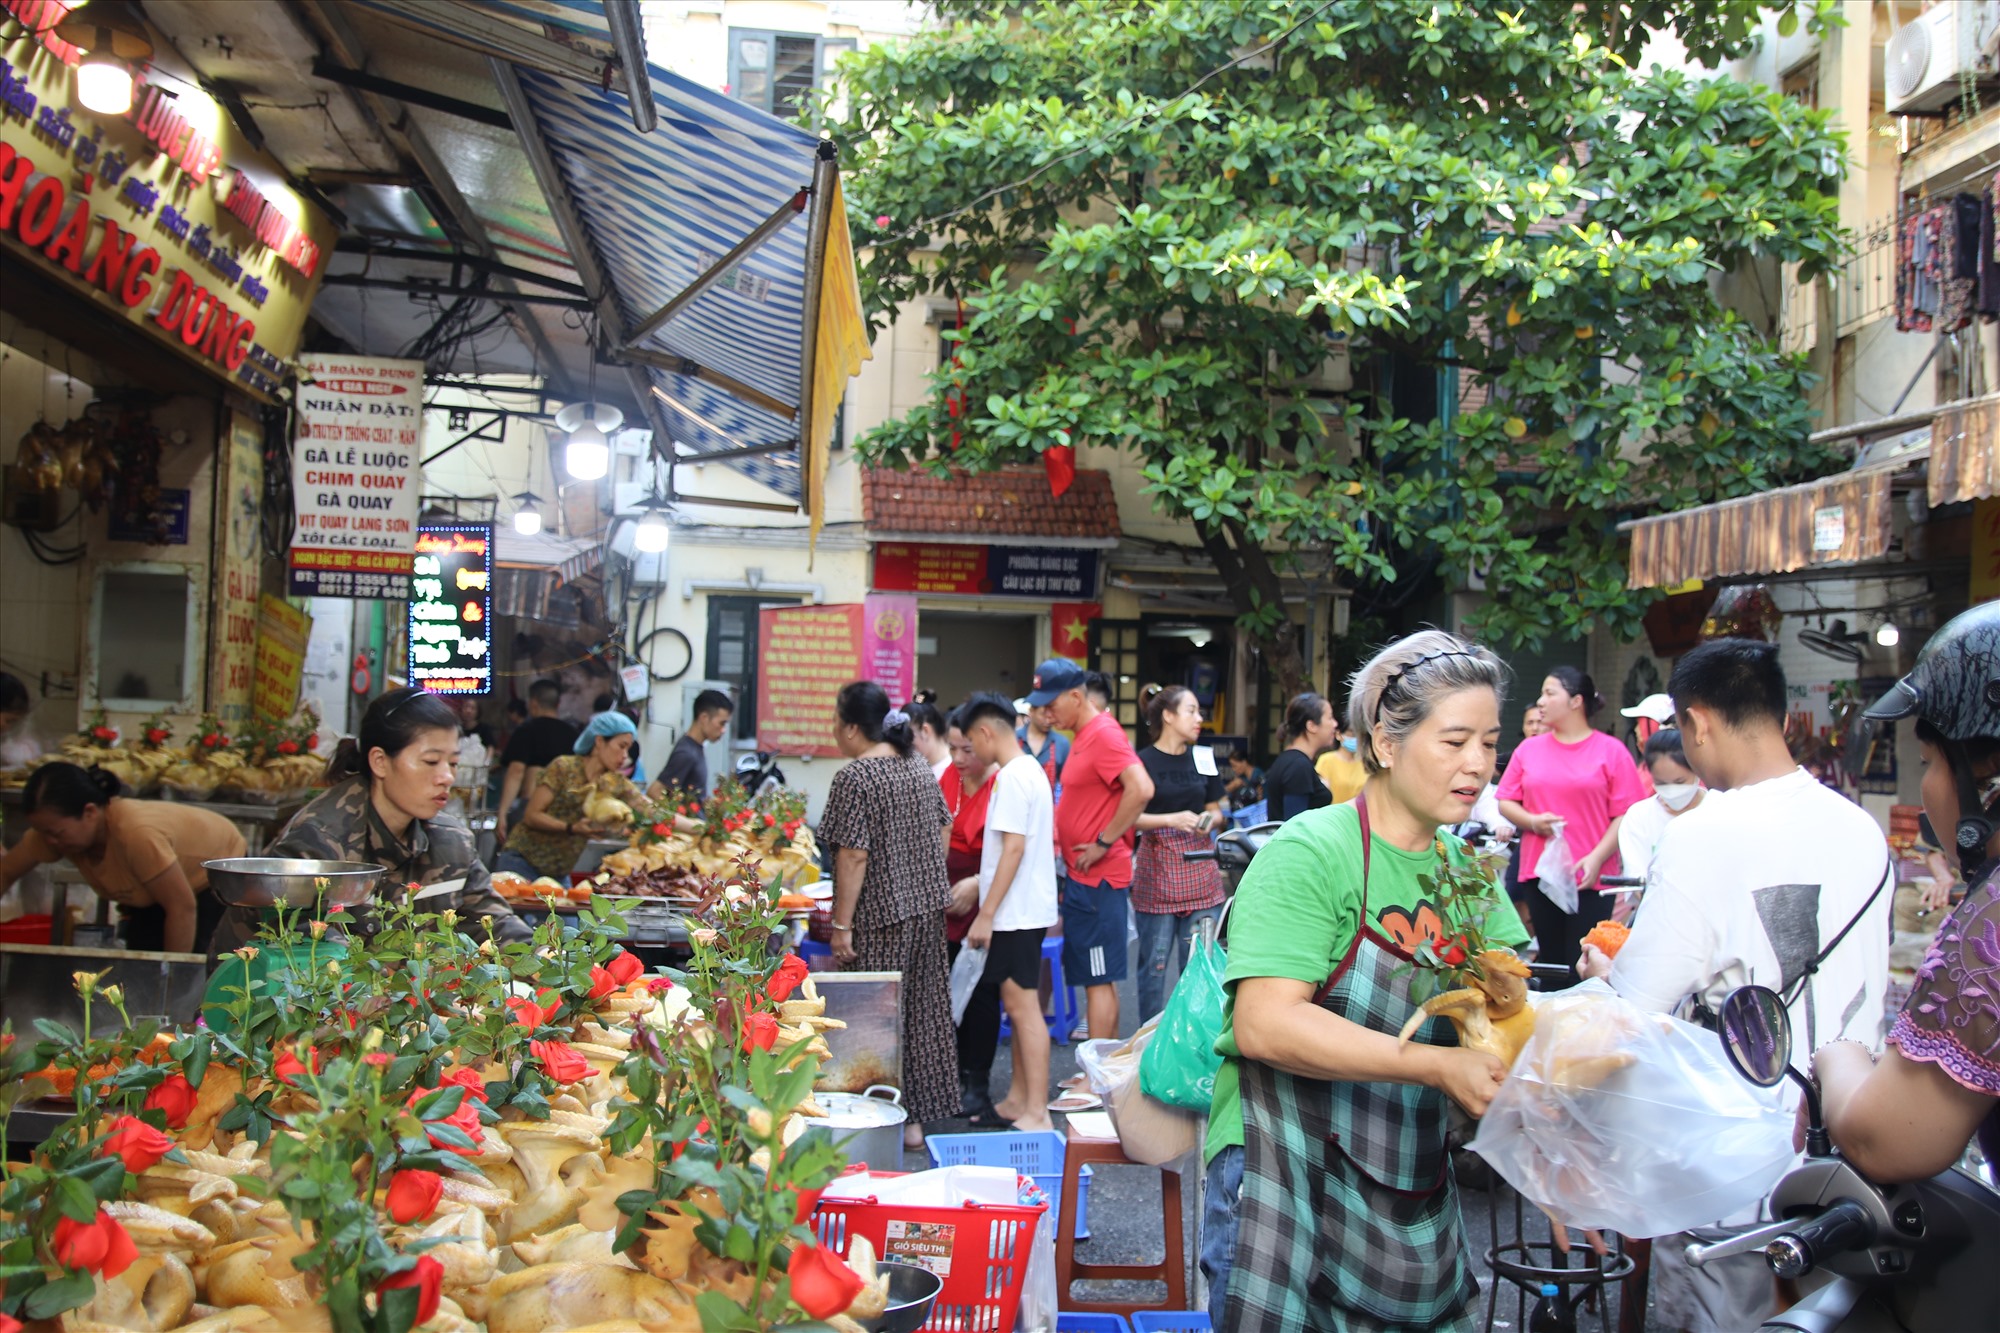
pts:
pixel 1954 688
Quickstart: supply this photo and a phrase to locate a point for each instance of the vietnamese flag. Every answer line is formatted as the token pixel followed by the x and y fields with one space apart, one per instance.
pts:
pixel 1069 628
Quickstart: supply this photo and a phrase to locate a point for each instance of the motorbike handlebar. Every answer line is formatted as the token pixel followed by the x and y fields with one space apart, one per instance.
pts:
pixel 1208 855
pixel 1803 1247
pixel 1755 1239
pixel 1620 882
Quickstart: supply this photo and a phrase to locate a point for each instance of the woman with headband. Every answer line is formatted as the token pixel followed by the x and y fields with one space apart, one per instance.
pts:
pixel 552 831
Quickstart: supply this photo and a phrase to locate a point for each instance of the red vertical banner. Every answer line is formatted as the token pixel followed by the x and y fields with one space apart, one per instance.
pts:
pixel 889 642
pixel 804 655
pixel 1069 628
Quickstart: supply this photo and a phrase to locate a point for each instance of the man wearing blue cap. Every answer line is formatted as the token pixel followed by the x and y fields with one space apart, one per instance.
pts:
pixel 1105 788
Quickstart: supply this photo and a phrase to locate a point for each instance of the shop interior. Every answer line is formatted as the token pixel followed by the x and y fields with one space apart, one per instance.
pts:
pixel 959 652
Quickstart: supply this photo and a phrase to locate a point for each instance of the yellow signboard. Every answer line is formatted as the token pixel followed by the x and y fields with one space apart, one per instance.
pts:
pixel 165 216
pixel 237 569
pixel 282 631
pixel 1985 550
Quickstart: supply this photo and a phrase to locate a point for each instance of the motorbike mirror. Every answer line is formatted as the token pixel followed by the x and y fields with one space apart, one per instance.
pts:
pixel 1757 1034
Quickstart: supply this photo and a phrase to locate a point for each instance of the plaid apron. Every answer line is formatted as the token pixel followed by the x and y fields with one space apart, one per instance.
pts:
pixel 1164 881
pixel 1349 1215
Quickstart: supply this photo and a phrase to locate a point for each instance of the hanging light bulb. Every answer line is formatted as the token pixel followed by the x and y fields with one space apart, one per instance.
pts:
pixel 104 83
pixel 651 534
pixel 527 518
pixel 588 456
pixel 1887 635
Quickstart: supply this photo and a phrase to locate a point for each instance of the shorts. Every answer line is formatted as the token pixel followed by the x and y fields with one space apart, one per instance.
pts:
pixel 1096 922
pixel 1016 956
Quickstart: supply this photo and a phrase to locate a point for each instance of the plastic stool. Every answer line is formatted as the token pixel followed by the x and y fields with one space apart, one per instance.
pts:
pixel 810 948
pixel 1172 1267
pixel 1062 998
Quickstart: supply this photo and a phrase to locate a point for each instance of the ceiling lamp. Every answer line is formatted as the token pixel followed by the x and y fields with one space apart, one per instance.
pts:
pixel 588 454
pixel 651 534
pixel 527 518
pixel 1887 635
pixel 114 41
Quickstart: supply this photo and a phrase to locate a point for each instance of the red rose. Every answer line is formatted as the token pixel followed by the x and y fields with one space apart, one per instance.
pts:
pixel 9 1324
pixel 379 1059
pixel 761 1031
pixel 786 979
pixel 687 809
pixel 561 1061
pixel 1453 952
pixel 465 1119
pixel 288 1067
pixel 661 830
pixel 428 1278
pixel 135 1143
pixel 288 747
pixel 105 734
pixel 96 1246
pixel 156 734
pixel 602 983
pixel 807 1200
pixel 413 1195
pixel 822 1285
pixel 770 821
pixel 625 968
pixel 176 1097
pixel 467 1078
pixel 532 1015
pixel 658 984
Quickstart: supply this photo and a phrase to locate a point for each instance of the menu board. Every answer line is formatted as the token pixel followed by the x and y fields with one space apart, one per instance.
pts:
pixel 451 605
pixel 946 569
pixel 804 655
pixel 355 469
pixel 282 633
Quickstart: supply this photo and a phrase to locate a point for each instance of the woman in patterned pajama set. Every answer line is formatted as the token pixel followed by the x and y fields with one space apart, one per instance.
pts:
pixel 1349 1217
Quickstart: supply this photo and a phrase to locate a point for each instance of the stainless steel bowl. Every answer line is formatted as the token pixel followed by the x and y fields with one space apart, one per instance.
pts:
pixel 912 1291
pixel 263 881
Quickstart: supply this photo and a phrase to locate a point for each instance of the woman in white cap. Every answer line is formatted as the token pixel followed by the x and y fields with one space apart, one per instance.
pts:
pixel 1648 715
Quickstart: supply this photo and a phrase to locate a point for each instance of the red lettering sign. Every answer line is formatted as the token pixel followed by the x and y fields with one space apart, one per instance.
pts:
pixel 34 217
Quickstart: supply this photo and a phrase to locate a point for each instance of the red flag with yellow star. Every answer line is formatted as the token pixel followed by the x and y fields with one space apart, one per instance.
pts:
pixel 1069 628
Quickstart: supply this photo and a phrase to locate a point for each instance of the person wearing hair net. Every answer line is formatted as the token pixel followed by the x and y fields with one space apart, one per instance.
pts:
pixel 552 831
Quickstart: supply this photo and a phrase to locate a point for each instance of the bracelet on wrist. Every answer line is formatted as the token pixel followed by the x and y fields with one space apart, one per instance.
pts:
pixel 845 930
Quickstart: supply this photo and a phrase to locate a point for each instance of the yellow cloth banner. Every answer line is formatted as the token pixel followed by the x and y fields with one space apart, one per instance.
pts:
pixel 840 345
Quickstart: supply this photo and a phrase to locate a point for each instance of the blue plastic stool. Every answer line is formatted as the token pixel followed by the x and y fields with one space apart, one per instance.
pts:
pixel 810 948
pixel 1063 1021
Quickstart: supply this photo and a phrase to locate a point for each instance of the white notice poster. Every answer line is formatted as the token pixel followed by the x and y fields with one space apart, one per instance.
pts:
pixel 356 464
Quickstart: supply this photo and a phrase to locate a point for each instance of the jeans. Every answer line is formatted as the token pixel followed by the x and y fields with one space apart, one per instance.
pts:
pixel 1222 1191
pixel 1161 934
pixel 516 864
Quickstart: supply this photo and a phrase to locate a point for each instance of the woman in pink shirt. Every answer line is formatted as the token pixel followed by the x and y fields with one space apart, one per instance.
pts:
pixel 1584 779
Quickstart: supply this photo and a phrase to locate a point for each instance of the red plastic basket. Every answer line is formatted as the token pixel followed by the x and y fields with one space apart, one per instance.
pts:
pixel 984 1253
pixel 27 929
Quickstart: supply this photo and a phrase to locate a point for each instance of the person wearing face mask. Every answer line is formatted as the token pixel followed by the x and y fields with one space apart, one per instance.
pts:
pixel 1291 784
pixel 1340 768
pixel 385 804
pixel 1676 790
pixel 1649 715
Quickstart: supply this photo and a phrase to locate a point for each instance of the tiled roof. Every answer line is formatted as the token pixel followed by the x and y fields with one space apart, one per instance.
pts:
pixel 1014 502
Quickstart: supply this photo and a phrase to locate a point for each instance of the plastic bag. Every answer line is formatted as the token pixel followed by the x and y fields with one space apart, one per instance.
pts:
pixel 1616 1119
pixel 1179 1065
pixel 1037 1311
pixel 1555 872
pixel 966 971
pixel 1151 1132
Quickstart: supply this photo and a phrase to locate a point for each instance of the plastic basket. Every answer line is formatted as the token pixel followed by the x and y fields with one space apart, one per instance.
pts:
pixel 980 1250
pixel 27 929
pixel 1038 1154
pixel 1170 1321
pixel 1092 1323
pixel 1250 815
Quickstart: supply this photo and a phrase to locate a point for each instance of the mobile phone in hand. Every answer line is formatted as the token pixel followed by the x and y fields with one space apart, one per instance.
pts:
pixel 1206 822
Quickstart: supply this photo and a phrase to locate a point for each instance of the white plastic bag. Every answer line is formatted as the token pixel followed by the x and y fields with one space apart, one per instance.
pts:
pixel 1620 1120
pixel 1037 1311
pixel 1555 872
pixel 966 971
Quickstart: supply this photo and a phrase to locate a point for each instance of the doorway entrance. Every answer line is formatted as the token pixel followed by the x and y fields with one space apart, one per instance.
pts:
pixel 961 652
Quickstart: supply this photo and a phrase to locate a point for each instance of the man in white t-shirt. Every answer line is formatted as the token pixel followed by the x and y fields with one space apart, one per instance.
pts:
pixel 1017 905
pixel 1773 880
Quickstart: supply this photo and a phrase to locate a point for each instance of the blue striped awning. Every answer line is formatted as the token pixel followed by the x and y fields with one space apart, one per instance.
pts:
pixel 661 209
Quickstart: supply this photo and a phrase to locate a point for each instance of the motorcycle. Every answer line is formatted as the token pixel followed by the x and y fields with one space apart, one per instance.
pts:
pixel 759 773
pixel 1911 1258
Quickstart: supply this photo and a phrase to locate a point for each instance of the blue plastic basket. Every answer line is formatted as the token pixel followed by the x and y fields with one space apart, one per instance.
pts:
pixel 1170 1321
pixel 1092 1323
pixel 1250 815
pixel 1038 1154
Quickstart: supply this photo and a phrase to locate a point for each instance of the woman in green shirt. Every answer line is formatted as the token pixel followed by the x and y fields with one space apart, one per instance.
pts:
pixel 1348 1218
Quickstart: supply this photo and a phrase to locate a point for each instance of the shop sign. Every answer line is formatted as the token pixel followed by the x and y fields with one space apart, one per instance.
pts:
pixel 283 631
pixel 1985 550
pixel 889 644
pixel 355 469
pixel 1829 529
pixel 944 569
pixel 451 608
pixel 805 654
pixel 157 214
pixel 236 571
pixel 165 524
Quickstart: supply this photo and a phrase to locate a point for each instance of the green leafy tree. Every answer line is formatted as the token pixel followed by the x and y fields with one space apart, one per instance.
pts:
pixel 1159 217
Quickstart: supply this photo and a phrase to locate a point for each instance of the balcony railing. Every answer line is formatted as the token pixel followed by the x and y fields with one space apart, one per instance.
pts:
pixel 1864 288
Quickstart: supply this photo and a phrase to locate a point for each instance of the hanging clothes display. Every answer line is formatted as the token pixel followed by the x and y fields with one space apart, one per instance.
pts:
pixel 1989 250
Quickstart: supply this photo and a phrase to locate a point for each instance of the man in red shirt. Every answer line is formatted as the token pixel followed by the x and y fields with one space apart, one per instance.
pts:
pixel 1105 788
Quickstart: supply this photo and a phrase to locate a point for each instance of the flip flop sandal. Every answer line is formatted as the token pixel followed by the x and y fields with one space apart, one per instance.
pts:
pixel 1071 1102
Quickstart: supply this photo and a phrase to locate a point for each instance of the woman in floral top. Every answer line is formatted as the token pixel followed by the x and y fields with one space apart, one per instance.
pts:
pixel 886 824
pixel 551 834
pixel 1909 1115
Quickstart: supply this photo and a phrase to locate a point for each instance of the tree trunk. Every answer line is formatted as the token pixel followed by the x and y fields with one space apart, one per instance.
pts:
pixel 1254 586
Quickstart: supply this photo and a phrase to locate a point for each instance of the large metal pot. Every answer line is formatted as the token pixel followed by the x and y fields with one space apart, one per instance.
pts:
pixel 869 1128
pixel 263 881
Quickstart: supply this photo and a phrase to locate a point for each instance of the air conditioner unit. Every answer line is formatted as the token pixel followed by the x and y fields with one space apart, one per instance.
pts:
pixel 1928 56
